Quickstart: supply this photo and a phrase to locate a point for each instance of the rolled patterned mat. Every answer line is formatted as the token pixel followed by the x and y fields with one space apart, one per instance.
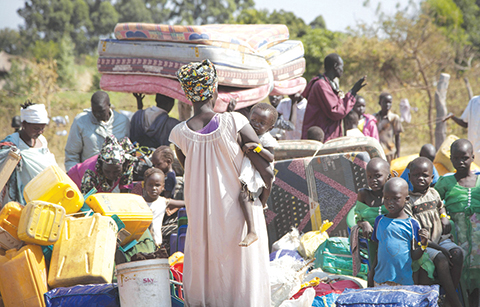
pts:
pixel 172 88
pixel 245 38
pixel 228 76
pixel 181 52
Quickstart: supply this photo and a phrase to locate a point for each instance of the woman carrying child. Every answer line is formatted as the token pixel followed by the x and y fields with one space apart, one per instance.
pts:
pixel 426 206
pixel 262 118
pixel 461 194
pixel 217 272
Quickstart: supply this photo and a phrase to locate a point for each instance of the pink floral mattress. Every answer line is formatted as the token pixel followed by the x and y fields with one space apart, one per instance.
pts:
pixel 245 38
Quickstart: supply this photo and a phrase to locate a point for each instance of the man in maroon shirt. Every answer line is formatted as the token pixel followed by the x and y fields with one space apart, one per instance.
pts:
pixel 327 104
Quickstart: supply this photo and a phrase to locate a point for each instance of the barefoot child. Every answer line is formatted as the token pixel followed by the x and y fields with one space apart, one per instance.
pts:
pixel 262 118
pixel 461 194
pixel 370 204
pixel 426 206
pixel 397 235
pixel 162 158
pixel 154 181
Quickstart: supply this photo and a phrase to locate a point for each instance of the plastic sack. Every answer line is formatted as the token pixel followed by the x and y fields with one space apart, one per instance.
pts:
pixel 289 241
pixel 305 300
pixel 312 240
pixel 400 296
pixel 285 275
pixel 334 256
pixel 285 253
pixel 101 295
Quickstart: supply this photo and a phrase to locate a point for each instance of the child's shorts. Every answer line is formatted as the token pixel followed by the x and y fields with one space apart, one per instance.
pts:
pixel 447 244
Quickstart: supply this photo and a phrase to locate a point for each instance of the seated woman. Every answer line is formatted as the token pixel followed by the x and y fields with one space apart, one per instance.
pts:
pixel 111 171
pixel 33 146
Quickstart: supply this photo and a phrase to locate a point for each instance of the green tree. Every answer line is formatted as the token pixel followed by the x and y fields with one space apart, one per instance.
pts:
pixel 133 11
pixel 318 22
pixel 10 41
pixel 66 62
pixel 196 12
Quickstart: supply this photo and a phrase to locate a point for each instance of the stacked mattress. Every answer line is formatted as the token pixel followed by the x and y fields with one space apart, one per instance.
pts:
pixel 252 61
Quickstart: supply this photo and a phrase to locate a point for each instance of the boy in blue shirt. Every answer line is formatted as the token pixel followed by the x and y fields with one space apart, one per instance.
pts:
pixel 397 235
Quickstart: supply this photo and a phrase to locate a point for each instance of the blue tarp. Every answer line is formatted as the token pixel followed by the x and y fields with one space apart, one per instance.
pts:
pixel 401 296
pixel 101 295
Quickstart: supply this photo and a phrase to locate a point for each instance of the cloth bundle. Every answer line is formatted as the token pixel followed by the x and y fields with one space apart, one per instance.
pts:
pixel 252 61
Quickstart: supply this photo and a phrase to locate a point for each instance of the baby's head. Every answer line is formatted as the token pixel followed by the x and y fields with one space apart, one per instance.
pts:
pixel 153 183
pixel 315 133
pixel 421 174
pixel 360 105
pixel 428 151
pixel 395 195
pixel 461 155
pixel 378 172
pixel 162 158
pixel 385 101
pixel 263 117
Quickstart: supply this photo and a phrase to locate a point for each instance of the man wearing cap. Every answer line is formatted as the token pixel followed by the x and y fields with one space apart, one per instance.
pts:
pixel 91 127
pixel 33 149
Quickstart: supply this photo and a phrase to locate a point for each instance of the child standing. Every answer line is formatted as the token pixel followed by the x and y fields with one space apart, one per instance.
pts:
pixel 426 206
pixel 461 194
pixel 350 125
pixel 154 181
pixel 162 158
pixel 389 127
pixel 367 123
pixel 262 118
pixel 370 205
pixel 397 235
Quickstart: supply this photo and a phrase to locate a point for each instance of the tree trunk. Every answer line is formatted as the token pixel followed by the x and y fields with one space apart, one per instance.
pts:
pixel 469 88
pixel 430 98
pixel 441 104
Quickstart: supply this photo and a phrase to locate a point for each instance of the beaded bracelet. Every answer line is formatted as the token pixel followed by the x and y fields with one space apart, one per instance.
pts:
pixel 444 215
pixel 423 247
pixel 258 149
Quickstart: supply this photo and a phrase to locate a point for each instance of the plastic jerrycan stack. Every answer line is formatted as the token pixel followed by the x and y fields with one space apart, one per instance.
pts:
pixel 85 252
pixel 9 220
pixel 23 277
pixel 41 223
pixel 54 186
pixel 10 217
pixel 130 208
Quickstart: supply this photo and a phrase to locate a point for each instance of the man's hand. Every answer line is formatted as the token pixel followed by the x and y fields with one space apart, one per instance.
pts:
pixel 448 116
pixel 367 229
pixel 359 85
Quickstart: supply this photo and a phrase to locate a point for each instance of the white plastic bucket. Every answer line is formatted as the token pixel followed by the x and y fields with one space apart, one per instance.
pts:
pixel 144 283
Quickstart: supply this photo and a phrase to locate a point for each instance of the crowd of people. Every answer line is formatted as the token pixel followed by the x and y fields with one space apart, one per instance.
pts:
pixel 228 159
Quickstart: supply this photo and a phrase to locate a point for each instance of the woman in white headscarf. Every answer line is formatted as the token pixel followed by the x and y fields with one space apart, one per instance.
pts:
pixel 33 148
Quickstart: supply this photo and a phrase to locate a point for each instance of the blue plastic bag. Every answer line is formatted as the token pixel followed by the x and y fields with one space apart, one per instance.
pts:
pixel 285 252
pixel 101 295
pixel 401 296
pixel 325 300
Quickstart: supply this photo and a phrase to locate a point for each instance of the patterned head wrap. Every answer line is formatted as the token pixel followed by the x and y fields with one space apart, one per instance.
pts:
pixel 112 152
pixel 199 80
